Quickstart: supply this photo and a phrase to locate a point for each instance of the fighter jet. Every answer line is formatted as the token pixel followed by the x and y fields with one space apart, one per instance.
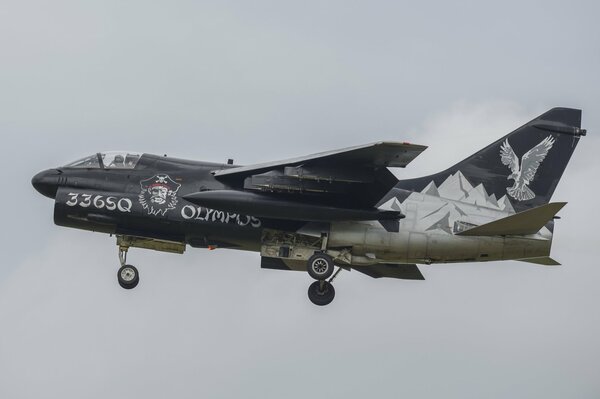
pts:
pixel 331 211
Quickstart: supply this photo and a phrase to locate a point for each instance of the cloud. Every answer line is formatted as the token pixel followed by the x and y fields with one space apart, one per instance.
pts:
pixel 258 82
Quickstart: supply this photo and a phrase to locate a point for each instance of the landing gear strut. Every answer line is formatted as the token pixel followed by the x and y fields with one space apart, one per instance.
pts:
pixel 320 266
pixel 128 276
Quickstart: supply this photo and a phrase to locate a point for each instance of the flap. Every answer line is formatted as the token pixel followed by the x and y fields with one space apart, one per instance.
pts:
pixel 523 223
pixel 390 270
pixel 544 261
pixel 375 155
pixel 266 262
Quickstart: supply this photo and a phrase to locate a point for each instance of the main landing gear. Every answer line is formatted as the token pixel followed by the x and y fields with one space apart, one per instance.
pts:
pixel 320 266
pixel 128 276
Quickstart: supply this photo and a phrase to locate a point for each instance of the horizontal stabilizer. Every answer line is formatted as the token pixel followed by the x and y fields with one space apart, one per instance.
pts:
pixel 523 223
pixel 403 271
pixel 544 260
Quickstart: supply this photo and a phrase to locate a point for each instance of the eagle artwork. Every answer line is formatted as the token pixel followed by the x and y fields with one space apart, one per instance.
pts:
pixel 523 174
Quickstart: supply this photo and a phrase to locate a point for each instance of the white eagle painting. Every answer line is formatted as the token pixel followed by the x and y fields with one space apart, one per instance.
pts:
pixel 523 172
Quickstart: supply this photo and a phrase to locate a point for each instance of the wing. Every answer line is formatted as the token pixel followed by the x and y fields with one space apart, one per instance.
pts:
pixel 352 177
pixel 508 157
pixel 381 154
pixel 534 157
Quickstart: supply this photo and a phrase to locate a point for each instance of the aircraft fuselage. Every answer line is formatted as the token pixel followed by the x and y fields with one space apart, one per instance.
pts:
pixel 111 201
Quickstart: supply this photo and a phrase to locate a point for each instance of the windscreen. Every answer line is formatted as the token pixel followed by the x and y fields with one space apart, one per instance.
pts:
pixel 91 161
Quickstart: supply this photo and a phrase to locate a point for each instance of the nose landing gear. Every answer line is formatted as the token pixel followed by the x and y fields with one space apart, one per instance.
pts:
pixel 321 293
pixel 128 275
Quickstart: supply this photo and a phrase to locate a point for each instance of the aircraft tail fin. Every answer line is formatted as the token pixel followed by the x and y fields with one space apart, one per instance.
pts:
pixel 524 223
pixel 520 170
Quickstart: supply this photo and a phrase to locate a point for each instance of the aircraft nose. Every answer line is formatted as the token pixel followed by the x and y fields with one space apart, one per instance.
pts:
pixel 46 182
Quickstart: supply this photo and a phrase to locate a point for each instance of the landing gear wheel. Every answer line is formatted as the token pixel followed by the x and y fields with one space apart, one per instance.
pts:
pixel 320 266
pixel 128 277
pixel 321 296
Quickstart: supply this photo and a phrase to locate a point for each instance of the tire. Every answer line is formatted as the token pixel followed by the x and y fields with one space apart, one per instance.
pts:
pixel 320 266
pixel 318 297
pixel 128 277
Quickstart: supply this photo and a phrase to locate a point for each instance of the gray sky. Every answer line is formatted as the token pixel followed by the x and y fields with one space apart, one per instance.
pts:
pixel 265 80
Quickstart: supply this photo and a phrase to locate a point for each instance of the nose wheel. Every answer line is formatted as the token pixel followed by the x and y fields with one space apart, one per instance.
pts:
pixel 127 275
pixel 320 266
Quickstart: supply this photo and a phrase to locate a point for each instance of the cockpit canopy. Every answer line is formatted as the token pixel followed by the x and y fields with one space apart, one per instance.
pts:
pixel 108 160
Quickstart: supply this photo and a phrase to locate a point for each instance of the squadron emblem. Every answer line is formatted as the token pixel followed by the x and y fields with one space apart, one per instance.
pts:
pixel 524 173
pixel 158 194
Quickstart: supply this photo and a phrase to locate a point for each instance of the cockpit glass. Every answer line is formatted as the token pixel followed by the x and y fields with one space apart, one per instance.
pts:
pixel 87 162
pixel 120 159
pixel 108 160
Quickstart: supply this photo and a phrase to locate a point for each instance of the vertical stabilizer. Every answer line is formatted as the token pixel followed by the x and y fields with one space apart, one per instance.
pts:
pixel 519 171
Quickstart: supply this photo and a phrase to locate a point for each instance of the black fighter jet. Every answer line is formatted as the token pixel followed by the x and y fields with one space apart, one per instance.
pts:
pixel 340 209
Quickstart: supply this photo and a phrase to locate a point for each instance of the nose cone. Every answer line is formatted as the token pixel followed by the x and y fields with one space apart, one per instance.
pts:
pixel 46 182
